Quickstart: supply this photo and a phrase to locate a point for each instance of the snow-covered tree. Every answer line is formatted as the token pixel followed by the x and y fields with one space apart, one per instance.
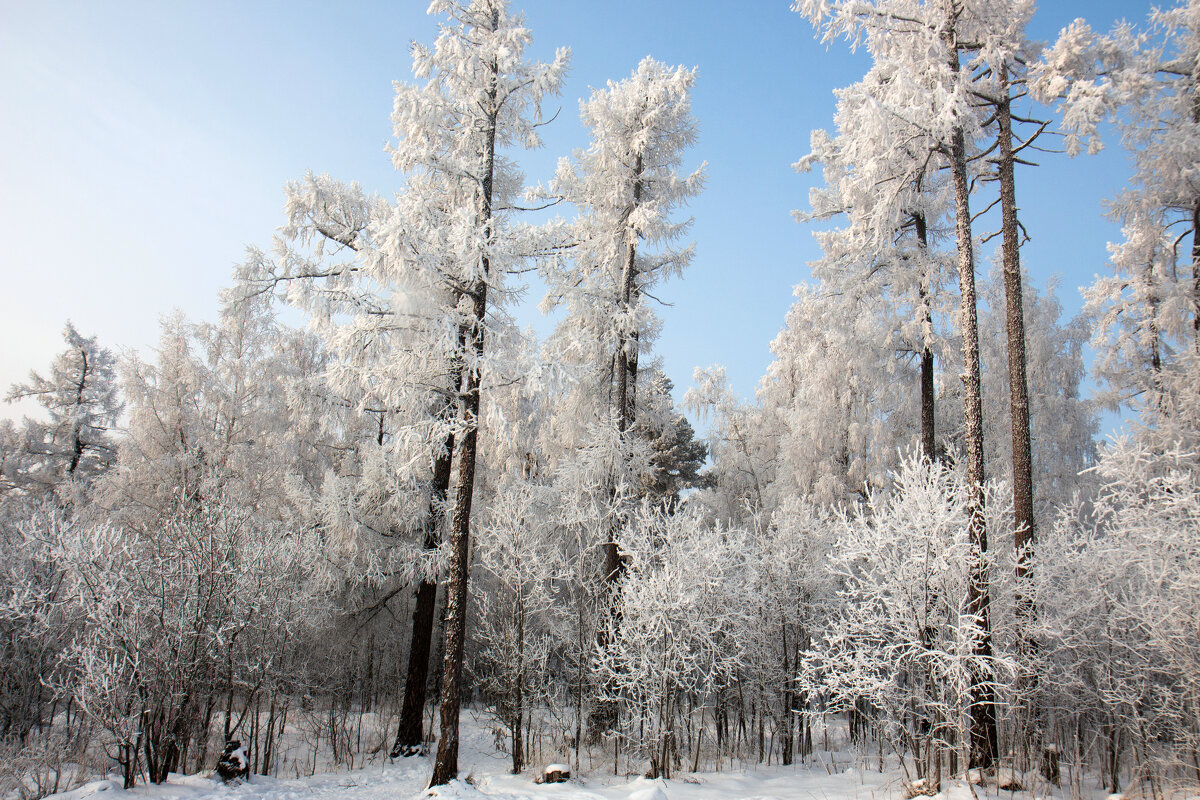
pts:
pixel 743 441
pixel 844 403
pixel 1146 82
pixel 898 638
pixel 480 97
pixel 681 607
pixel 626 186
pixel 519 565
pixel 170 611
pixel 81 401
pixel 36 621
pixel 935 52
pixel 791 588
pixel 1122 597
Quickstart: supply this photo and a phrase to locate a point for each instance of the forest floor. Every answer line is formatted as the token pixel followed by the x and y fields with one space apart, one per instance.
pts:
pixel 485 774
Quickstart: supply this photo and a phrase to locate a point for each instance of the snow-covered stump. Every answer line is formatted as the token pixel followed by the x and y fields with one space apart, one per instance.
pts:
pixel 921 788
pixel 233 763
pixel 556 773
pixel 1003 778
pixel 1050 770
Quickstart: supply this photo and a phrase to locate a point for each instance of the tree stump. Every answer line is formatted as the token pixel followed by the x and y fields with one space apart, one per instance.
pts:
pixel 556 773
pixel 1050 764
pixel 233 763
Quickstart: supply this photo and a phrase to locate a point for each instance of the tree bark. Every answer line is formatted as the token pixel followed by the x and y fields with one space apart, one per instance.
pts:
pixel 1018 387
pixel 445 769
pixel 1196 275
pixel 981 695
pixel 605 714
pixel 1196 239
pixel 410 734
pixel 928 409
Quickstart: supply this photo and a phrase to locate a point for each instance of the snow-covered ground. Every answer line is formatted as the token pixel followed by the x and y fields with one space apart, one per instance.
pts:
pixel 484 774
pixel 407 778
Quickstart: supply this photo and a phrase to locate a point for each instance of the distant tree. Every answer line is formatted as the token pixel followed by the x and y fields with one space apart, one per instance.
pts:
pixel 844 403
pixel 81 400
pixel 677 460
pixel 1063 426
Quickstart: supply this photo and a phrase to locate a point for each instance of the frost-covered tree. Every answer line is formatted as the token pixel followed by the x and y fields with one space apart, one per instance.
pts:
pixel 681 607
pixel 207 417
pixel 519 564
pixel 791 590
pixel 894 202
pixel 743 442
pixel 36 623
pixel 843 402
pixel 480 97
pixel 82 406
pixel 898 637
pixel 168 610
pixel 626 186
pixel 1147 83
pixel 1122 598
pixel 386 384
pixel 934 49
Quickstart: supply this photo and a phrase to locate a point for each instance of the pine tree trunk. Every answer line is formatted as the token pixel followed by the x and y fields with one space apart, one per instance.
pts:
pixel 445 769
pixel 928 409
pixel 410 735
pixel 1018 386
pixel 604 716
pixel 980 696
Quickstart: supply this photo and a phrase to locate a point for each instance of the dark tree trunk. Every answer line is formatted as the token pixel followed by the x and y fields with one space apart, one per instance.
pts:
pixel 788 701
pixel 928 409
pixel 980 696
pixel 410 735
pixel 1196 240
pixel 77 434
pixel 445 769
pixel 604 715
pixel 1196 274
pixel 1018 386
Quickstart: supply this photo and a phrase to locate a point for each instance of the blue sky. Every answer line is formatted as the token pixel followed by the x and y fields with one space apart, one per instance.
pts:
pixel 144 145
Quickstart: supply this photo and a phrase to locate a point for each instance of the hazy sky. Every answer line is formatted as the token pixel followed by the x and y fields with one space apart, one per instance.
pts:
pixel 144 145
